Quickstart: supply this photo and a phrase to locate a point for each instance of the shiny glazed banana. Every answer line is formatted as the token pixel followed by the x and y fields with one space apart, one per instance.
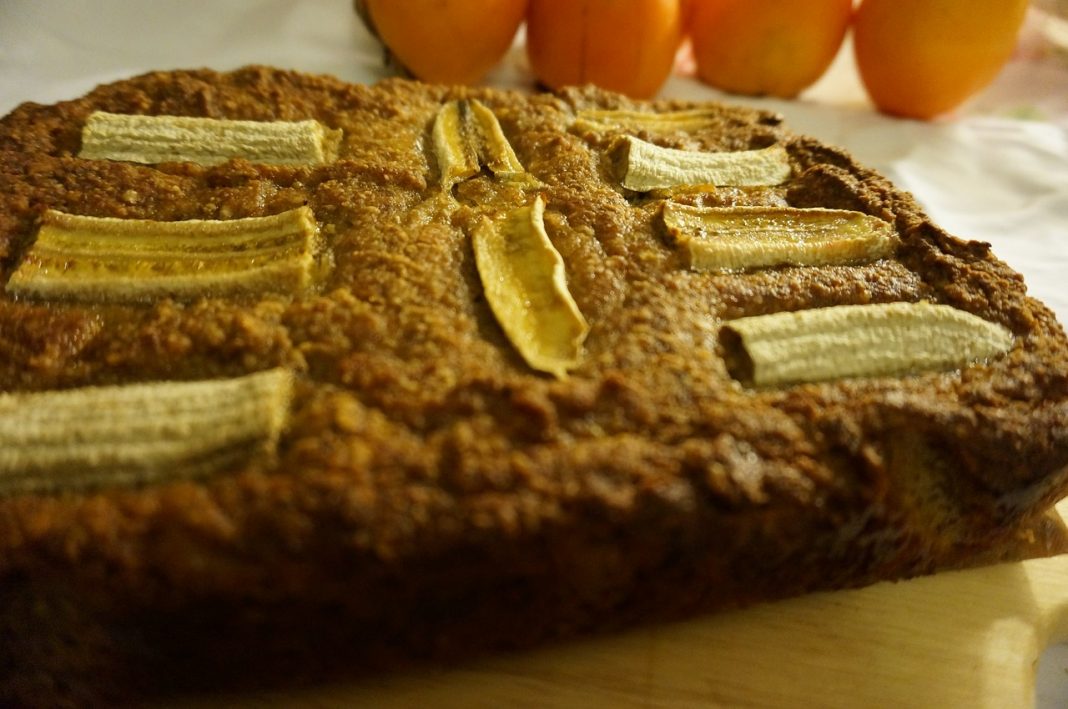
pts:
pixel 129 260
pixel 526 286
pixel 468 136
pixel 738 238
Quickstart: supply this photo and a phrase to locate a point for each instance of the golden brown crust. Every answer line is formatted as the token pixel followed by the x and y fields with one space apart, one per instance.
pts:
pixel 431 490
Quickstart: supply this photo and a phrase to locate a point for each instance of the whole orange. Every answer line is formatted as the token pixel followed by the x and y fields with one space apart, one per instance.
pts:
pixel 449 41
pixel 622 45
pixel 920 58
pixel 766 47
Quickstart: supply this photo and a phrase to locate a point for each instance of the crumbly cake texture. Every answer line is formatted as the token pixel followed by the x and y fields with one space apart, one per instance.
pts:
pixel 431 495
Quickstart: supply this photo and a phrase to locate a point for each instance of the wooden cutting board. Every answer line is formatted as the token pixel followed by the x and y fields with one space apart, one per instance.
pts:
pixel 959 639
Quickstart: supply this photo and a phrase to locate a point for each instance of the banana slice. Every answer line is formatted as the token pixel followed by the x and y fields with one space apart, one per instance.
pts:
pixel 467 136
pixel 650 167
pixel 139 433
pixel 524 281
pixel 457 154
pixel 206 141
pixel 858 341
pixel 688 121
pixel 494 149
pixel 126 260
pixel 736 238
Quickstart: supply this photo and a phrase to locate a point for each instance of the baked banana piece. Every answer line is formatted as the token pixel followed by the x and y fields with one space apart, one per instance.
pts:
pixel 738 238
pixel 138 433
pixel 526 286
pixel 468 136
pixel 206 141
pixel 129 260
pixel 649 167
pixel 890 339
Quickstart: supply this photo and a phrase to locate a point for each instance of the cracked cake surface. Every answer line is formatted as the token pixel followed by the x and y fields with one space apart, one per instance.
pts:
pixel 432 492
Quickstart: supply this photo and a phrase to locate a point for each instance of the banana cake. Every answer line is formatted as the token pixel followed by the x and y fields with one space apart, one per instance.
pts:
pixel 299 377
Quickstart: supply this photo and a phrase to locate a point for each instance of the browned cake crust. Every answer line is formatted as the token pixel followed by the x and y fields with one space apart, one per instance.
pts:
pixel 433 495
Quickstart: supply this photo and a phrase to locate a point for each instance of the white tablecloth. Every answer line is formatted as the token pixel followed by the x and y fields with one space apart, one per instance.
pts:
pixel 996 171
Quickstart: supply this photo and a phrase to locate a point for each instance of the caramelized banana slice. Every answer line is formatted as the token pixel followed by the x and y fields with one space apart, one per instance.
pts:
pixel 649 167
pixel 495 151
pixel 138 433
pixel 669 121
pixel 467 136
pixel 126 260
pixel 735 238
pixel 457 154
pixel 206 141
pixel 525 284
pixel 858 341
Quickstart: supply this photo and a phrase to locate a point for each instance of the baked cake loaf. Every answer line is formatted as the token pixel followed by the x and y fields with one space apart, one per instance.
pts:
pixel 427 371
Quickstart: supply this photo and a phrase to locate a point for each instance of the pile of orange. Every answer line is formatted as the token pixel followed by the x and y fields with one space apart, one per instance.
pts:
pixel 917 58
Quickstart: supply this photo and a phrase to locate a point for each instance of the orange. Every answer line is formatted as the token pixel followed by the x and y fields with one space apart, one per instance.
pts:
pixel 920 58
pixel 447 41
pixel 621 45
pixel 766 47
